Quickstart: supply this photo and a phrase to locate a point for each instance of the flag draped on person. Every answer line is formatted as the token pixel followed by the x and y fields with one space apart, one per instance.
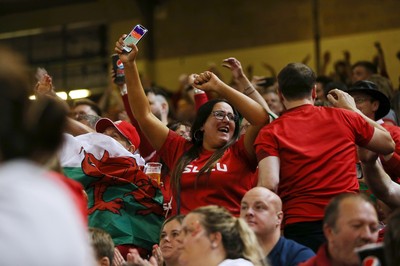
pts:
pixel 122 200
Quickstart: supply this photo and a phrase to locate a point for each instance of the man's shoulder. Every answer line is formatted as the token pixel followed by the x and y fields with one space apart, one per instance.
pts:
pixel 336 114
pixel 313 112
pixel 289 252
pixel 292 245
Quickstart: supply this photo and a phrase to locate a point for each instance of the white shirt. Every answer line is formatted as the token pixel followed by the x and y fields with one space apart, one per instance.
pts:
pixel 236 262
pixel 39 223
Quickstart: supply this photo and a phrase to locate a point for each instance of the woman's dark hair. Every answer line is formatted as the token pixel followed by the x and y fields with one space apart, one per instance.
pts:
pixel 197 140
pixel 176 124
pixel 29 129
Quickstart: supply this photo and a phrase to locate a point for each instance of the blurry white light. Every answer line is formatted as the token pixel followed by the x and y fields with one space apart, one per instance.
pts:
pixel 32 97
pixel 77 94
pixel 62 94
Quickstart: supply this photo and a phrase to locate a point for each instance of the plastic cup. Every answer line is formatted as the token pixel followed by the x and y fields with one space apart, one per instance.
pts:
pixel 153 170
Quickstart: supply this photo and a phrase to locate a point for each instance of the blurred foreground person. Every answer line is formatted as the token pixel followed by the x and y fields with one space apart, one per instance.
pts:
pixel 40 224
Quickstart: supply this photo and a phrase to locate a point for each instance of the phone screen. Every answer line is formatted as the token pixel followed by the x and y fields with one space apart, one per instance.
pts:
pixel 134 36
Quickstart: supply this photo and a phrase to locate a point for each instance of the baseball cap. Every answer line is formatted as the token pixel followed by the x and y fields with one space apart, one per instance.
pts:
pixel 370 88
pixel 125 128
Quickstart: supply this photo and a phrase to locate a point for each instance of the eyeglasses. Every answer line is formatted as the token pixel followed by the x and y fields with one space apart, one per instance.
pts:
pixel 220 115
pixel 359 100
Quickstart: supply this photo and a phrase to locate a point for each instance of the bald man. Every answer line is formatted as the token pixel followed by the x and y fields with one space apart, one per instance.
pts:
pixel 262 210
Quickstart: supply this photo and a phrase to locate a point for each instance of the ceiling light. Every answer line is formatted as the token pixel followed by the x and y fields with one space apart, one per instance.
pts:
pixel 77 94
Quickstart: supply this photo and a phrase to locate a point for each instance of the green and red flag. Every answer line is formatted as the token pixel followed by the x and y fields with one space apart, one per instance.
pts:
pixel 122 200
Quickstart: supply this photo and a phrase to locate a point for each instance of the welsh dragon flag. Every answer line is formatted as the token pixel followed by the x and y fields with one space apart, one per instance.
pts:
pixel 122 200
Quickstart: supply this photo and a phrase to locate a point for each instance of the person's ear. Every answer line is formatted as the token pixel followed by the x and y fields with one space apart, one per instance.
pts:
pixel 104 261
pixel 132 148
pixel 314 92
pixel 329 232
pixel 375 105
pixel 279 216
pixel 216 239
pixel 164 107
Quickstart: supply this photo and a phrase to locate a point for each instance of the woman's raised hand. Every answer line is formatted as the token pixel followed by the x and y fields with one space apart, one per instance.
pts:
pixel 207 81
pixel 124 56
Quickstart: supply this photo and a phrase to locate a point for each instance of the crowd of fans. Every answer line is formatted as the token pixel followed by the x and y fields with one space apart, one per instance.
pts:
pixel 286 169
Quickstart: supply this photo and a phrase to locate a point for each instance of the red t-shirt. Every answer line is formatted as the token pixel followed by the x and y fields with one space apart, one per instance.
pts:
pixel 392 166
pixel 232 176
pixel 317 152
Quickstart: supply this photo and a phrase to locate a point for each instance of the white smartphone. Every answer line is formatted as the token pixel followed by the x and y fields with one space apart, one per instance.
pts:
pixel 134 36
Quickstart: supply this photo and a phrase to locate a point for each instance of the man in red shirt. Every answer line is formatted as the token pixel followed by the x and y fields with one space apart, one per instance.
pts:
pixel 307 155
pixel 350 222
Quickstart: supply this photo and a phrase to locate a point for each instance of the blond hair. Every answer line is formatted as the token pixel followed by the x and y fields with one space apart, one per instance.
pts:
pixel 238 239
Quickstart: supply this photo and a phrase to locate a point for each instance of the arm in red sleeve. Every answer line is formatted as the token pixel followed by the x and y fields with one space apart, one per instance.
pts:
pixel 145 148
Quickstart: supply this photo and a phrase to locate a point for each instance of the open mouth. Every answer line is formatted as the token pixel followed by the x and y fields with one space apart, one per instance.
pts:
pixel 223 129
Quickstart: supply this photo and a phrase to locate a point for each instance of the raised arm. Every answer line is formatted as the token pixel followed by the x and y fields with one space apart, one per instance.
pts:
pixel 76 128
pixel 250 109
pixel 244 84
pixel 381 142
pixel 326 60
pixel 247 88
pixel 155 131
pixel 381 60
pixel 378 181
pixel 44 88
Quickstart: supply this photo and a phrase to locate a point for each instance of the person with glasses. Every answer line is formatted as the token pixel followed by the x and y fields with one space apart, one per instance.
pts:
pixel 215 166
pixel 375 105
